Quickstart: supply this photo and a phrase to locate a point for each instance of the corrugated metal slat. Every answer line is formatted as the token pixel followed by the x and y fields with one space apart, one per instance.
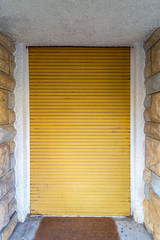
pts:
pixel 80 131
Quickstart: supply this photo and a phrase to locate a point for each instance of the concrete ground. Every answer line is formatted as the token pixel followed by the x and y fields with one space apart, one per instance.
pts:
pixel 127 228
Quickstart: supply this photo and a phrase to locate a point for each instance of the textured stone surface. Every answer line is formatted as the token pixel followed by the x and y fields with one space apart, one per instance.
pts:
pixel 7 133
pixel 147 69
pixel 153 155
pixel 7 43
pixel 153 114
pixel 12 206
pixel 152 130
pixel 11 194
pixel 147 220
pixel 147 174
pixel 12 146
pixel 12 116
pixel 148 57
pixel 7 82
pixel 147 101
pixel 147 191
pixel 4 159
pixel 153 84
pixel 4 216
pixel 7 231
pixel 154 214
pixel 147 114
pixel 153 39
pixel 12 64
pixel 12 161
pixel 6 116
pixel 155 108
pixel 156 58
pixel 6 183
pixel 155 184
pixel 4 60
pixel 4 113
pixel 11 100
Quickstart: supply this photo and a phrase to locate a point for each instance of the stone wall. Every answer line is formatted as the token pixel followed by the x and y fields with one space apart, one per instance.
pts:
pixel 8 204
pixel 151 174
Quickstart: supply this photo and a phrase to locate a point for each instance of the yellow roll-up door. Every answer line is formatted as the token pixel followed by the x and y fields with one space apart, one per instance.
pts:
pixel 80 131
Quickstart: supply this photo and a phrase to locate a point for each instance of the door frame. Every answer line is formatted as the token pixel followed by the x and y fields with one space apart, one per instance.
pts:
pixel 22 124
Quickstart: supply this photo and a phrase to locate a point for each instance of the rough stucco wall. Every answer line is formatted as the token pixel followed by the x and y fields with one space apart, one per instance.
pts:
pixel 22 138
pixel 137 132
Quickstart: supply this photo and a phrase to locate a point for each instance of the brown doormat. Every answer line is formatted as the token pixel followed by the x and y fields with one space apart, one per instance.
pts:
pixel 77 228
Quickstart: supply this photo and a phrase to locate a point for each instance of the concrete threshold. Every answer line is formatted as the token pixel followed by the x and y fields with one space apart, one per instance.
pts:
pixel 127 228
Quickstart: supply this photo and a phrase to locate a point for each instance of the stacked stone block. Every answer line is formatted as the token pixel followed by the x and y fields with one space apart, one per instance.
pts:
pixel 8 204
pixel 151 174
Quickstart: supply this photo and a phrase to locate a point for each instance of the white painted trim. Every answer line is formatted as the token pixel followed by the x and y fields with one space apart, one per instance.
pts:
pixel 22 150
pixel 132 106
pixel 137 155
pixel 23 131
